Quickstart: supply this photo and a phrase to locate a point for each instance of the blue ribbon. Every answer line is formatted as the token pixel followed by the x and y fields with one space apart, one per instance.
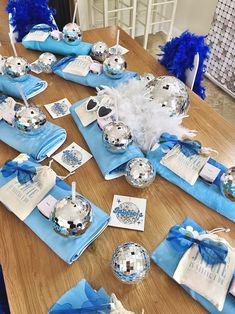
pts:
pixel 211 251
pixel 63 61
pixel 187 147
pixel 23 172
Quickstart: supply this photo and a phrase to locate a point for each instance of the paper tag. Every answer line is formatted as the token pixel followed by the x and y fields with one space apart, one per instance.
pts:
pixel 187 168
pixel 37 36
pixel 59 108
pixel 80 66
pixel 128 212
pixel 85 117
pixel 118 50
pixel 7 107
pixel 209 173
pixel 46 206
pixel 34 67
pixel 72 157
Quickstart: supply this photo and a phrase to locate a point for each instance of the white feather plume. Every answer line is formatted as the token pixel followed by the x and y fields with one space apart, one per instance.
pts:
pixel 144 116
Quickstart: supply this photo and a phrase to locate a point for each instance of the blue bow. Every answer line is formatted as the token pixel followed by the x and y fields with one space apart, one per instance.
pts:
pixel 211 251
pixel 63 61
pixel 24 172
pixel 187 147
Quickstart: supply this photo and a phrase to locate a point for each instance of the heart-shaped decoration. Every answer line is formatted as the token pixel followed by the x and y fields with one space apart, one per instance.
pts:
pixel 91 105
pixel 104 112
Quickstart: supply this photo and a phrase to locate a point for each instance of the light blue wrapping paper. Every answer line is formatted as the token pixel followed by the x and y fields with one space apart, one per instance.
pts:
pixel 210 195
pixel 68 249
pixel 111 165
pixel 168 259
pixel 31 86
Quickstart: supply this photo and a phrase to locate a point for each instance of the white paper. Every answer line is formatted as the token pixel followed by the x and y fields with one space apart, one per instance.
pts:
pixel 37 36
pixel 6 107
pixel 72 157
pixel 59 108
pixel 46 206
pixel 128 212
pixel 118 50
pixel 80 66
pixel 34 66
pixel 85 116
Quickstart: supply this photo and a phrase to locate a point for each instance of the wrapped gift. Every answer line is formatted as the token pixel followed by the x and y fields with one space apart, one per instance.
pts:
pixel 30 86
pixel 169 254
pixel 23 169
pixel 111 165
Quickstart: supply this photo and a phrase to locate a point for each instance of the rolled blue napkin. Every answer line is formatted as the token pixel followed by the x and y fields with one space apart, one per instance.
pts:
pixel 31 86
pixel 210 195
pixel 82 298
pixel 111 165
pixel 91 80
pixel 39 145
pixel 68 249
pixel 168 259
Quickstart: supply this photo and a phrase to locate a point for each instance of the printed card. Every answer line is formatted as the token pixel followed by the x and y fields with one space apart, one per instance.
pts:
pixel 86 117
pixel 59 108
pixel 72 157
pixel 128 212
pixel 118 50
pixel 80 66
pixel 37 36
pixel 46 206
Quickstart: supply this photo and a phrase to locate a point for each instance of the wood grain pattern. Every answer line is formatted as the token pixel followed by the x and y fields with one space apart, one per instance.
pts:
pixel 35 277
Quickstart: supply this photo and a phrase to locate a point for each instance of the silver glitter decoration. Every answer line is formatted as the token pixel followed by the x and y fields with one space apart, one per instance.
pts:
pixel 128 213
pixel 117 137
pixel 100 51
pixel 29 119
pixel 16 67
pixel 45 61
pixel 228 184
pixel 171 93
pixel 72 33
pixel 130 262
pixel 71 218
pixel 114 66
pixel 72 157
pixel 139 172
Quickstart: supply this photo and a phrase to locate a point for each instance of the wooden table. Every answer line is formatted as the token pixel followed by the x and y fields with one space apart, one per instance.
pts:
pixel 35 277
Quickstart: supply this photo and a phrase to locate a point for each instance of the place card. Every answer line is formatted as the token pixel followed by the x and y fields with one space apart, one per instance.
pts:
pixel 37 36
pixel 80 66
pixel 59 108
pixel 209 173
pixel 46 206
pixel 118 50
pixel 128 212
pixel 72 157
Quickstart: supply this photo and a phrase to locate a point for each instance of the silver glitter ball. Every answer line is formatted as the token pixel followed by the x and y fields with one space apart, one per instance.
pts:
pixel 45 61
pixel 2 64
pixel 71 218
pixel 171 93
pixel 130 263
pixel 116 137
pixel 29 119
pixel 100 51
pixel 228 183
pixel 114 66
pixel 72 33
pixel 16 67
pixel 140 172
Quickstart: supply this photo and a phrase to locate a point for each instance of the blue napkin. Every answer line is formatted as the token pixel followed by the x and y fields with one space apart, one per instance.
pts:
pixel 68 249
pixel 92 80
pixel 81 297
pixel 31 86
pixel 210 195
pixel 111 165
pixel 168 259
pixel 39 145
pixel 59 47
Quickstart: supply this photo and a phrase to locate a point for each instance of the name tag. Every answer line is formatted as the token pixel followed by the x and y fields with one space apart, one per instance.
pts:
pixel 80 66
pixel 37 36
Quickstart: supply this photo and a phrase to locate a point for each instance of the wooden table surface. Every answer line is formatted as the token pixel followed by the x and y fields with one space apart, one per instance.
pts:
pixel 35 277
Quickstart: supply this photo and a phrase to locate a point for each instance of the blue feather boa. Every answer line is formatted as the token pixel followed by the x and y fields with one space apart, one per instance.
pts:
pixel 27 13
pixel 178 55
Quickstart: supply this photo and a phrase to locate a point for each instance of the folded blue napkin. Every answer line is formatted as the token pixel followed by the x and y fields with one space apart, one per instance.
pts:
pixel 82 298
pixel 39 145
pixel 31 86
pixel 92 80
pixel 111 165
pixel 68 249
pixel 210 195
pixel 59 47
pixel 168 259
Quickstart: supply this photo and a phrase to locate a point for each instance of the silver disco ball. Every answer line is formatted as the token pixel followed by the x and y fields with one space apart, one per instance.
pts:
pixel 228 184
pixel 72 33
pixel 116 137
pixel 71 218
pixel 171 93
pixel 140 172
pixel 130 262
pixel 100 51
pixel 46 61
pixel 16 67
pixel 2 64
pixel 29 119
pixel 114 66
